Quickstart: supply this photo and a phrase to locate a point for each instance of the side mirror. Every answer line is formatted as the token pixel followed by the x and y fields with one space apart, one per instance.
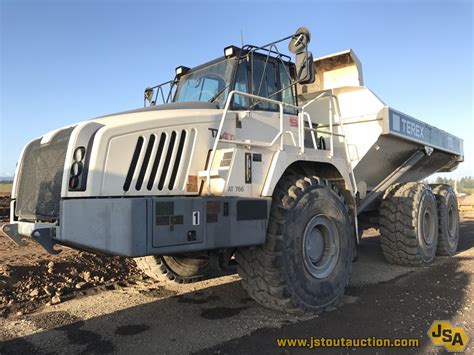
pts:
pixel 305 73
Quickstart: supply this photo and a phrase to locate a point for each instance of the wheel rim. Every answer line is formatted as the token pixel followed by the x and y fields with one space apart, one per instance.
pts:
pixel 320 246
pixel 428 229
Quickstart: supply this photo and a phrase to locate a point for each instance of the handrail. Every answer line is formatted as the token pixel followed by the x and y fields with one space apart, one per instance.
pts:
pixel 323 95
pixel 337 117
pixel 312 132
pixel 322 131
pixel 255 144
pixel 292 137
pixel 280 135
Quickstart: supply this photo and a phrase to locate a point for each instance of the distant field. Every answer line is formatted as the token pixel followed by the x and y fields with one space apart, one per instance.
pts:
pixel 466 190
pixel 6 187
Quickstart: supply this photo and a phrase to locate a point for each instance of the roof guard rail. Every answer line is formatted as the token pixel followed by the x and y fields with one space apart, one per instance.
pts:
pixel 160 94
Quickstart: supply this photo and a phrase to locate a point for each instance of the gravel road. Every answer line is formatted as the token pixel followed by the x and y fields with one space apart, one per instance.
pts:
pixel 216 316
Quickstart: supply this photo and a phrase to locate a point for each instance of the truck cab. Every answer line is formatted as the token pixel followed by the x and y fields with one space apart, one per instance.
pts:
pixel 144 170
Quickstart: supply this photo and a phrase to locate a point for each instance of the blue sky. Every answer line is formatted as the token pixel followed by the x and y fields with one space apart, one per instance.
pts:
pixel 67 61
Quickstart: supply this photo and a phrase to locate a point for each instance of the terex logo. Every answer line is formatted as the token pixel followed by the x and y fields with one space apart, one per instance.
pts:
pixel 403 125
pixel 412 128
pixel 442 333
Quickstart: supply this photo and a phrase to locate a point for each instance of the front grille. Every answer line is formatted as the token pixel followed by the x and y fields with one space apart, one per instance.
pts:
pixel 166 168
pixel 40 178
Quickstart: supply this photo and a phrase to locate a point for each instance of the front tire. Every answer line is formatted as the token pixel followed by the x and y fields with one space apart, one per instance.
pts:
pixel 409 224
pixel 305 262
pixel 448 220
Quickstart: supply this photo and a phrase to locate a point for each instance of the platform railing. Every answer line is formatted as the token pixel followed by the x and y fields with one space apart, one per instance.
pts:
pixel 302 115
pixel 334 118
pixel 247 143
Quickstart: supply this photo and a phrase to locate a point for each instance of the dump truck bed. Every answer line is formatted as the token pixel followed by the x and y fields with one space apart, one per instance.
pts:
pixel 409 128
pixel 380 139
pixel 382 143
pixel 401 137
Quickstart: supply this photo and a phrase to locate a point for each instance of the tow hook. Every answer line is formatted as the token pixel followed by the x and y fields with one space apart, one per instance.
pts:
pixel 43 236
pixel 11 231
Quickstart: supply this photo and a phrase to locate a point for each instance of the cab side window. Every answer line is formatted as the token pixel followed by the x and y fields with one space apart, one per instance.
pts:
pixel 288 91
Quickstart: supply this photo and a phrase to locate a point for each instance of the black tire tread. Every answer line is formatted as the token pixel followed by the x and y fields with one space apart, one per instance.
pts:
pixel 262 268
pixel 441 192
pixel 398 222
pixel 156 268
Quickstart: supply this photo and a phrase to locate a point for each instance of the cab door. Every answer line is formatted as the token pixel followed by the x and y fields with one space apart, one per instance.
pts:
pixel 259 121
pixel 265 77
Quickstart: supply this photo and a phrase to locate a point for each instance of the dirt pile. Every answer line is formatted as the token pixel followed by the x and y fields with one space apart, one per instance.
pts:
pixel 31 278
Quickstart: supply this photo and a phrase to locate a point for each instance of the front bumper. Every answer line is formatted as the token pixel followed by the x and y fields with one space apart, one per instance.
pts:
pixel 150 225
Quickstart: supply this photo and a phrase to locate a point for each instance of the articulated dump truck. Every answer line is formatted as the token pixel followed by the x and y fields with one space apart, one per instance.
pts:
pixel 267 162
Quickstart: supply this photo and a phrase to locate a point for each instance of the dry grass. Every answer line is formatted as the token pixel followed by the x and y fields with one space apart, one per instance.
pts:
pixel 6 187
pixel 466 190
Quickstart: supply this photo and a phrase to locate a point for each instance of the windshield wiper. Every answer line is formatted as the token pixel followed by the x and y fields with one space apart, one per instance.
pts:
pixel 212 99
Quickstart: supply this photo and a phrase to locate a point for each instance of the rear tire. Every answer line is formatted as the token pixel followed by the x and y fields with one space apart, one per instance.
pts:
pixel 305 262
pixel 448 219
pixel 178 268
pixel 409 224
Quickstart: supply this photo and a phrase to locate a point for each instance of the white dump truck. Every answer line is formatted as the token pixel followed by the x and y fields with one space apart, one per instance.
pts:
pixel 253 160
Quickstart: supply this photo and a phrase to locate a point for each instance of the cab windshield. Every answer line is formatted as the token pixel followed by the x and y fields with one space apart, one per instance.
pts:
pixel 211 83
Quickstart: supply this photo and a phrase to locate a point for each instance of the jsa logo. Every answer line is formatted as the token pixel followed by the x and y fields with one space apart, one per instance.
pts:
pixel 442 333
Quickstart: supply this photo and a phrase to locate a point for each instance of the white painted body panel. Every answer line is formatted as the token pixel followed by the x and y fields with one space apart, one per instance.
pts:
pixel 115 141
